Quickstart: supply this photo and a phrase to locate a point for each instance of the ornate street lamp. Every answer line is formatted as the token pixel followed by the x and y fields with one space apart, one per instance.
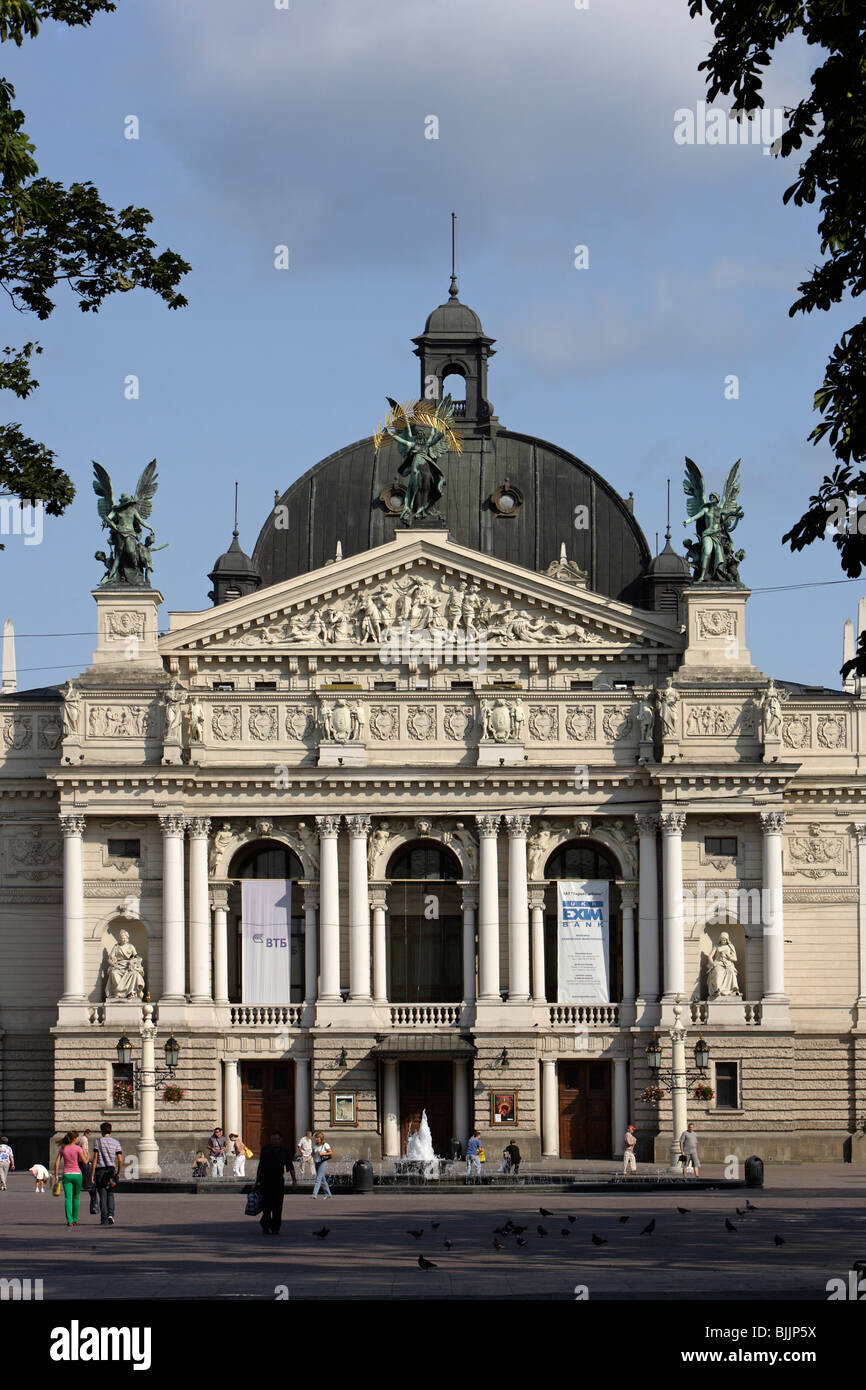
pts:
pixel 124 1050
pixel 679 1077
pixel 145 1080
pixel 654 1054
pixel 702 1056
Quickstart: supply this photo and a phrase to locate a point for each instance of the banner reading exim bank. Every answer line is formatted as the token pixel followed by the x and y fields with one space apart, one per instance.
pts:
pixel 584 942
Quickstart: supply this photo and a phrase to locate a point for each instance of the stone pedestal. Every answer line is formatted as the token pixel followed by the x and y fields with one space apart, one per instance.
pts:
pixel 342 755
pixel 726 1012
pixel 646 751
pixel 716 634
pixel 492 754
pixel 771 750
pixel 126 625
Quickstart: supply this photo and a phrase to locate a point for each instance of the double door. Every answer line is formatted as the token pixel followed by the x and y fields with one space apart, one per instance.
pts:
pixel 585 1109
pixel 267 1092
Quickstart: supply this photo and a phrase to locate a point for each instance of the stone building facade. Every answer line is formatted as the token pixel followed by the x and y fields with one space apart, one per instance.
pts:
pixel 423 732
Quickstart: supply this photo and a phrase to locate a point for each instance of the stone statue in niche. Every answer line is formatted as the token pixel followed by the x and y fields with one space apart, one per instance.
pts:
pixel 722 980
pixel 666 704
pixel 646 718
pixel 195 716
pixel 124 977
pixel 771 710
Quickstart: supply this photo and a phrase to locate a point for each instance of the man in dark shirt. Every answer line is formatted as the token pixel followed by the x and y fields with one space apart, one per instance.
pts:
pixel 512 1154
pixel 274 1161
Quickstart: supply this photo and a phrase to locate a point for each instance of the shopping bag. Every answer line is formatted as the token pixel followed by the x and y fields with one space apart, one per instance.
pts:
pixel 254 1203
pixel 248 1152
pixel 58 1188
pixel 481 1157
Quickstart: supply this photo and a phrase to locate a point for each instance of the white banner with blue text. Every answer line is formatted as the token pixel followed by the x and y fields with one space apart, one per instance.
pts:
pixel 266 934
pixel 583 955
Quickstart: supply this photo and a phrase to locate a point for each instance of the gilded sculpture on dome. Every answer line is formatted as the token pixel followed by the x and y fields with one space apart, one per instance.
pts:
pixel 423 431
pixel 712 555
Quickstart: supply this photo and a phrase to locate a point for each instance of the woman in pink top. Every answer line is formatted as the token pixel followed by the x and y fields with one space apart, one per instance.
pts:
pixel 70 1153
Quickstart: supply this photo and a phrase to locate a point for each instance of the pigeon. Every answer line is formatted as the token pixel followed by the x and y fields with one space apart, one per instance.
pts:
pixel 749 1206
pixel 729 1225
pixel 683 1210
pixel 622 1220
pixel 500 1230
pixel 447 1244
pixel 741 1211
pixel 520 1241
pixel 426 1264
pixel 778 1240
pixel 434 1225
pixel 497 1244
pixel 542 1211
pixel 565 1231
pixel 518 1230
pixel 541 1231
pixel 417 1234
pixel 648 1229
pixel 323 1233
pixel 571 1220
pixel 597 1240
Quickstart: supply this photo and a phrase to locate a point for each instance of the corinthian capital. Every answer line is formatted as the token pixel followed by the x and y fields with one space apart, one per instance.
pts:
pixel 859 828
pixel 647 823
pixel 199 827
pixel 773 822
pixel 672 822
pixel 487 825
pixel 359 826
pixel 173 824
pixel 328 826
pixel 517 825
pixel 71 825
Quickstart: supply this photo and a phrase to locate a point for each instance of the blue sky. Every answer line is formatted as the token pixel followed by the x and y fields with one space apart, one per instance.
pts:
pixel 306 127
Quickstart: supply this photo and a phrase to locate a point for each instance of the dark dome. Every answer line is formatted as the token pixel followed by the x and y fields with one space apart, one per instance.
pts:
pixel 339 500
pixel 668 562
pixel 234 561
pixel 233 575
pixel 453 317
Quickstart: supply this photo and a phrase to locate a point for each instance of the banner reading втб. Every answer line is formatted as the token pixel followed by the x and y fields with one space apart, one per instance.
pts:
pixel 583 941
pixel 266 935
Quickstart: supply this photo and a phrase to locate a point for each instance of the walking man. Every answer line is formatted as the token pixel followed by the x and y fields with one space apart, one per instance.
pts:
pixel 217 1145
pixel 629 1163
pixel 473 1149
pixel 274 1161
pixel 105 1168
pixel 689 1149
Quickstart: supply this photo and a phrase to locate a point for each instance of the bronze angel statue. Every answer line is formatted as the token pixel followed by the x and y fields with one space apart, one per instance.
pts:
pixel 422 431
pixel 126 521
pixel 712 555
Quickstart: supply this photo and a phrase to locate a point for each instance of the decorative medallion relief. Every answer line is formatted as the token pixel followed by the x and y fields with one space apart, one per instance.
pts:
pixel 385 723
pixel 225 722
pixel 123 624
pixel 34 855
pixel 717 622
pixel 50 732
pixel 797 731
pixel 580 723
pixel 421 722
pixel 18 731
pixel 263 723
pixel 544 722
pixel 832 732
pixel 616 722
pixel 300 722
pixel 816 854
pixel 458 721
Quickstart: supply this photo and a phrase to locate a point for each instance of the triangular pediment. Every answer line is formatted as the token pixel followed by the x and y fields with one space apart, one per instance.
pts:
pixel 424 580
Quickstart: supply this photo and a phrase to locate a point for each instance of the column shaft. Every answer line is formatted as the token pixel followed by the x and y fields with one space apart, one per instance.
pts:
pixel 488 909
pixel 468 949
pixel 220 953
pixel 539 986
pixel 303 1119
pixel 380 951
pixel 173 946
pixel 359 909
pixel 72 829
pixel 648 910
pixel 311 954
pixel 672 823
pixel 329 912
pixel 518 910
pixel 462 1118
pixel 549 1110
pixel 199 914
pixel 772 823
pixel 627 894
pixel 231 1098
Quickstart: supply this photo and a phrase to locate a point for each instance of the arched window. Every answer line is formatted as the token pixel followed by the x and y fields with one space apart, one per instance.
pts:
pixel 268 859
pixel 425 925
pixel 454 383
pixel 579 859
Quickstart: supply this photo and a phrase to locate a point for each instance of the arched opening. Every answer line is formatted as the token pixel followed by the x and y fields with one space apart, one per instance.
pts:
pixel 425 925
pixel 581 859
pixel 267 859
pixel 454 384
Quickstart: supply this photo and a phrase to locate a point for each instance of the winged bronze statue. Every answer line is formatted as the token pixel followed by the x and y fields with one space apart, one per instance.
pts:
pixel 712 555
pixel 422 431
pixel 126 521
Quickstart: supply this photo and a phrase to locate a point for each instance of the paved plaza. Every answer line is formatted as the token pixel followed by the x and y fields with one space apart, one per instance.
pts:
pixel 185 1246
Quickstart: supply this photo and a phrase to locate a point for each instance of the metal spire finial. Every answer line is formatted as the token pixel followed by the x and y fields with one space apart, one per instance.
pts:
pixel 452 293
pixel 235 532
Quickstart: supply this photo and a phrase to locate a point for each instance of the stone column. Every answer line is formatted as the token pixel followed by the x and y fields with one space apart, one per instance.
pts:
pixel 311 954
pixel 860 833
pixel 621 1103
pixel 488 909
pixel 72 830
pixel 549 1110
pixel 303 1117
pixel 469 904
pixel 673 824
pixel 536 908
pixel 232 1097
pixel 199 914
pixel 359 910
pixel 648 910
pixel 518 911
pixel 390 1119
pixel 329 911
pixel 220 902
pixel 379 904
pixel 775 1004
pixel 462 1117
pixel 628 898
pixel 173 952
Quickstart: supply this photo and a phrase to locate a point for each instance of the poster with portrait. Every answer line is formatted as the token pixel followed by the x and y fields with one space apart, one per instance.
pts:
pixel 503 1107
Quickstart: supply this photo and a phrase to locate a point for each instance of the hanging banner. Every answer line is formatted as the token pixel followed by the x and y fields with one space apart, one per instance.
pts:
pixel 583 941
pixel 266 933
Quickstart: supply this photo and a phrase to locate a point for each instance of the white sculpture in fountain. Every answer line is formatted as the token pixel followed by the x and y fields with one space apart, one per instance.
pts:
pixel 419 1149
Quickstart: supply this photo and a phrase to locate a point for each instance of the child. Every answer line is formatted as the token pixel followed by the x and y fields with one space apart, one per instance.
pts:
pixel 199 1168
pixel 41 1174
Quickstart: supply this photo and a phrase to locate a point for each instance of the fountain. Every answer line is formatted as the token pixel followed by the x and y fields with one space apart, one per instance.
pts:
pixel 419 1149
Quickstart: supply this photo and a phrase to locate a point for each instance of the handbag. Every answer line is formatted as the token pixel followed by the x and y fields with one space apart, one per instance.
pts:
pixel 254 1203
pixel 58 1188
pixel 248 1152
pixel 481 1156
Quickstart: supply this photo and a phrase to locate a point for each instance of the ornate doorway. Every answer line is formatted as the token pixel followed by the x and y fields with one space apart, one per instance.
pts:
pixel 427 1086
pixel 268 1100
pixel 584 1109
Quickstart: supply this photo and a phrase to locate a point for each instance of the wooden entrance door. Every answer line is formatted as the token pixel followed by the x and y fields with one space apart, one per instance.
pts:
pixel 268 1099
pixel 427 1086
pixel 584 1109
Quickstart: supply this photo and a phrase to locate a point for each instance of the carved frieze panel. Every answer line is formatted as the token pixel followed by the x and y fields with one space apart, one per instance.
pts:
pixel 263 723
pixel 815 853
pixel 50 732
pixel 421 721
pixel 457 721
pixel 616 722
pixel 121 721
pixel 18 731
pixel 717 721
pixel 226 722
pixel 300 722
pixel 832 732
pixel 580 723
pixel 544 722
pixel 385 723
pixel 797 730
pixel 125 623
pixel 34 853
pixel 717 622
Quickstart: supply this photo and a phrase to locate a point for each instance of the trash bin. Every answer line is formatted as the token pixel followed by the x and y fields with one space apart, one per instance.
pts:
pixel 456 1150
pixel 362 1176
pixel 754 1171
